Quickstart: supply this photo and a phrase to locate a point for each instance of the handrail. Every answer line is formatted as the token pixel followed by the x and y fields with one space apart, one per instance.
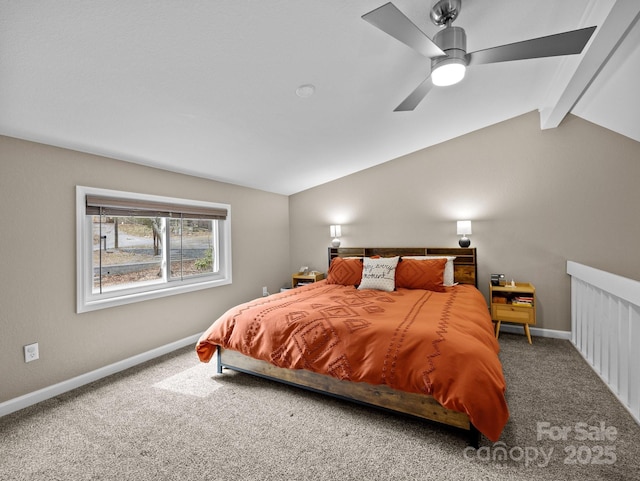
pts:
pixel 622 287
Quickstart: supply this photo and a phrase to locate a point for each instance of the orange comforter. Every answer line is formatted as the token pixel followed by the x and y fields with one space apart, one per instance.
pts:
pixel 441 344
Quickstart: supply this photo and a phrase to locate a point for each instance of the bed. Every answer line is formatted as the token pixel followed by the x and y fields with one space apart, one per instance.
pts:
pixel 424 347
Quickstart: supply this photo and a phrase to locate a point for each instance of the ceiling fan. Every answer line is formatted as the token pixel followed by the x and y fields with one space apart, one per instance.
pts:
pixel 448 49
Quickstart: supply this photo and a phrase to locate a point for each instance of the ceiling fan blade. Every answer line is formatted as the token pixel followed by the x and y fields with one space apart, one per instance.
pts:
pixel 415 97
pixel 567 43
pixel 395 23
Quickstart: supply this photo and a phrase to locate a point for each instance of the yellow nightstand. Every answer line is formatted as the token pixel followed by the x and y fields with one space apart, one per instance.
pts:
pixel 515 304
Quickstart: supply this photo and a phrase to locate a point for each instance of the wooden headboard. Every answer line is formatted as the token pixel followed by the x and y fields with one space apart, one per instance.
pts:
pixel 465 265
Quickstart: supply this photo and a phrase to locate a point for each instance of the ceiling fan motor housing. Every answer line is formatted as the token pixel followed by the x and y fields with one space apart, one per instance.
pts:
pixel 453 41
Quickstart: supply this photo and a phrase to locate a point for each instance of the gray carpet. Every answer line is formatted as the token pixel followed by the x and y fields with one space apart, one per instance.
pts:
pixel 175 419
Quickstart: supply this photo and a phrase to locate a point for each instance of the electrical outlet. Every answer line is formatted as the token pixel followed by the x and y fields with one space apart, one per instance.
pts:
pixel 265 292
pixel 31 352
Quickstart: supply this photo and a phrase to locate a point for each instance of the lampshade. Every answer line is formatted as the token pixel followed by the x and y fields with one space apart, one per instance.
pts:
pixel 464 227
pixel 449 72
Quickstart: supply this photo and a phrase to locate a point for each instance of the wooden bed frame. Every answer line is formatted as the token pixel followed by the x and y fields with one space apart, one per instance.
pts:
pixel 378 396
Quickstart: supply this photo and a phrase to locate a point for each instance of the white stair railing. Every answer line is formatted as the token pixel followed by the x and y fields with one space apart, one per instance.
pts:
pixel 605 329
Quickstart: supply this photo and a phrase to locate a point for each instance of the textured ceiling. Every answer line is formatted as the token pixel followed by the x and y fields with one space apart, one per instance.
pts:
pixel 209 87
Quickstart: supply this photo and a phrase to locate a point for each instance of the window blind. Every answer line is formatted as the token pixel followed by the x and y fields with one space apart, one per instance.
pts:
pixel 119 207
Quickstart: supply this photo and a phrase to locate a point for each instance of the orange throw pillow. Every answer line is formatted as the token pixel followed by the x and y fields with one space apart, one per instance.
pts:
pixel 421 274
pixel 346 272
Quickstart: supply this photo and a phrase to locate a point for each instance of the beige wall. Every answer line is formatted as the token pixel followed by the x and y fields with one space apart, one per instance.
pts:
pixel 536 198
pixel 37 253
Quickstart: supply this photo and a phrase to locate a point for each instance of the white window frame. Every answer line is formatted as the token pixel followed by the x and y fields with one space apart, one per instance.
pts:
pixel 87 300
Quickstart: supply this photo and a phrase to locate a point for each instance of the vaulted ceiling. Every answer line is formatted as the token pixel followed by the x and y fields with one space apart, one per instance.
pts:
pixel 208 87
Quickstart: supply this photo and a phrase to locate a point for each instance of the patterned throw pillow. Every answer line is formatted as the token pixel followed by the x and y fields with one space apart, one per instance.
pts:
pixel 421 274
pixel 379 274
pixel 346 272
pixel 449 269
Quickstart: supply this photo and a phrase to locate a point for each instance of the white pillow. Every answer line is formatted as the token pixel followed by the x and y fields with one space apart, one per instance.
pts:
pixel 379 274
pixel 448 268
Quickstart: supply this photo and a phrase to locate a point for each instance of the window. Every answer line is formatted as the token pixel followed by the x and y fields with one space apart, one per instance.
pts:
pixel 133 247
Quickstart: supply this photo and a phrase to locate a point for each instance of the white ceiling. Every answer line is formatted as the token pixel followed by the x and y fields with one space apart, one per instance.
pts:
pixel 207 87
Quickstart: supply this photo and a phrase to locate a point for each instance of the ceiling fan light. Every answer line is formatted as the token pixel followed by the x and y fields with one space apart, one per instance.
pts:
pixel 449 73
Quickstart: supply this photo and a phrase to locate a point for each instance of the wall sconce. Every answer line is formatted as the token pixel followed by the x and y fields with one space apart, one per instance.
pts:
pixel 464 228
pixel 336 233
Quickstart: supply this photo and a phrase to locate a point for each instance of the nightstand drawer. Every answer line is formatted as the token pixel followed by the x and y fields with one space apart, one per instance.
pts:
pixel 509 313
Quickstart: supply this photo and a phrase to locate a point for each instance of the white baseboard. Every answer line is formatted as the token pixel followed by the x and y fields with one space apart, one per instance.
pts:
pixel 43 394
pixel 536 331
